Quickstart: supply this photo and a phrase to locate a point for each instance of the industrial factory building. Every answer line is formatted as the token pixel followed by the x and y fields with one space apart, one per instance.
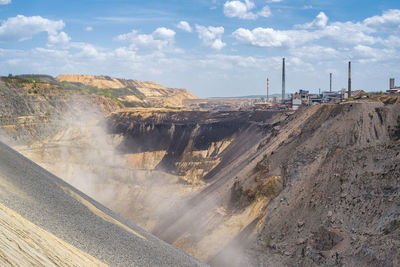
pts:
pixel 392 88
pixel 305 98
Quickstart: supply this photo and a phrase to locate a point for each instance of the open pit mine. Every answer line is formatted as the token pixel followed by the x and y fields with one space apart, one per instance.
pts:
pixel 101 171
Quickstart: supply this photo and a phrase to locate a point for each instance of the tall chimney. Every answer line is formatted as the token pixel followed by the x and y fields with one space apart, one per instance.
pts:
pixel 349 88
pixel 391 83
pixel 283 79
pixel 330 84
pixel 267 89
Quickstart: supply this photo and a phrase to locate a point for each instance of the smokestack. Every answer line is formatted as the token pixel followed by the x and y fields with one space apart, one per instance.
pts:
pixel 283 79
pixel 330 84
pixel 391 83
pixel 349 92
pixel 267 89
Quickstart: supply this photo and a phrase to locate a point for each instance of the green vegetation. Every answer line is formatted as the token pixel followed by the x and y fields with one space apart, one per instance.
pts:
pixel 32 79
pixel 48 113
pixel 265 156
pixel 267 242
pixel 174 108
pixel 393 226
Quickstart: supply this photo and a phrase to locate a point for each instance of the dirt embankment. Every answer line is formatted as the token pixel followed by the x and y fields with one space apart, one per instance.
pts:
pixel 340 204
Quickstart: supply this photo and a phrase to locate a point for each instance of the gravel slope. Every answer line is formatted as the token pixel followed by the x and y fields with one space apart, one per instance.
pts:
pixel 24 244
pixel 60 209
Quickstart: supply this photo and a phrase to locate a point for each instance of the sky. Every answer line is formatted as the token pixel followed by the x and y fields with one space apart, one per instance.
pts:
pixel 213 48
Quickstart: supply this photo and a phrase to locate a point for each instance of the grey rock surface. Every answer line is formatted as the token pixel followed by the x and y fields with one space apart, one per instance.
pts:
pixel 60 209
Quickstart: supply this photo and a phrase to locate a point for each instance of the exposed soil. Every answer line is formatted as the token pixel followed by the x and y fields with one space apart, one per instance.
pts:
pixel 342 194
pixel 319 187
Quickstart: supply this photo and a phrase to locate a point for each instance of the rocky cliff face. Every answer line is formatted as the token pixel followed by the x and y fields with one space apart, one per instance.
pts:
pixel 185 143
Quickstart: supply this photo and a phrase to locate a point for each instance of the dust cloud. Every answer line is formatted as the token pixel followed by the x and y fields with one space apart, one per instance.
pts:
pixel 77 146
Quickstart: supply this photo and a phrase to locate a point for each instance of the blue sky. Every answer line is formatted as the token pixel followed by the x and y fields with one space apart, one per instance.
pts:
pixel 211 47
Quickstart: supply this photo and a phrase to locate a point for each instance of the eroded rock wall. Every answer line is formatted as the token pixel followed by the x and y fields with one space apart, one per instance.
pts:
pixel 190 142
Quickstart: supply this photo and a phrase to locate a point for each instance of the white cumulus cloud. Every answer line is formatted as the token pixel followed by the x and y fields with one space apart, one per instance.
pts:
pixel 164 34
pixel 241 10
pixel 265 12
pixel 5 2
pixel 342 34
pixel 185 26
pixel 21 28
pixel 58 39
pixel 211 36
pixel 388 21
pixel 160 39
pixel 319 22
pixel 268 37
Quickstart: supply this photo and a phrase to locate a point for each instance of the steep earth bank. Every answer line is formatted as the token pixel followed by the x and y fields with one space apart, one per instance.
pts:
pixel 341 201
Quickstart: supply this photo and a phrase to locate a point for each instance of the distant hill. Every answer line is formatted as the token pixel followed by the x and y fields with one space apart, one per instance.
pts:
pixel 128 93
pixel 136 92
